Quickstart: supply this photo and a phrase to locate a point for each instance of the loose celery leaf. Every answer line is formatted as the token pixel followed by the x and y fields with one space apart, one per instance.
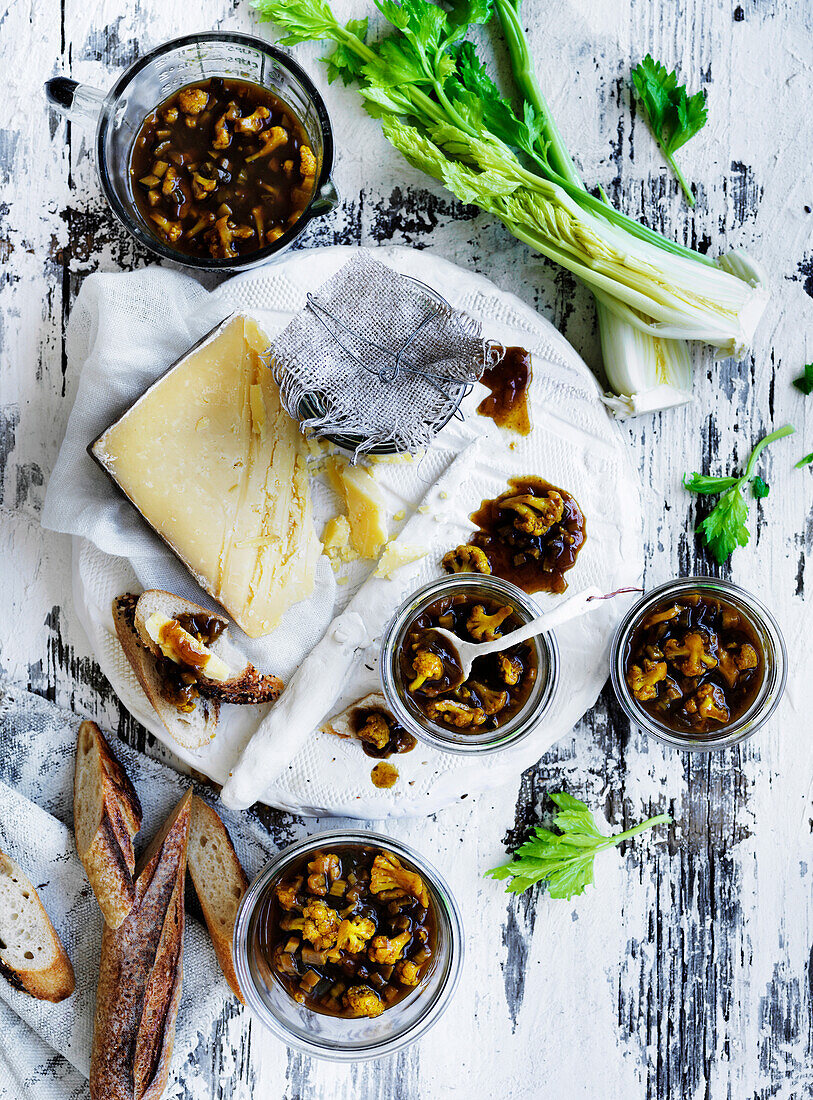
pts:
pixel 805 380
pixel 703 483
pixel 726 527
pixel 563 859
pixel 674 116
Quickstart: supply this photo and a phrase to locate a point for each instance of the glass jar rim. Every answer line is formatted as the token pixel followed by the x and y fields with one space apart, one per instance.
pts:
pixel 130 223
pixel 523 722
pixel 446 910
pixel 774 676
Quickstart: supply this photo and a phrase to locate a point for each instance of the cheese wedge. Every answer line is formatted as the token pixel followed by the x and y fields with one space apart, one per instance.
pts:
pixel 366 507
pixel 396 556
pixel 216 466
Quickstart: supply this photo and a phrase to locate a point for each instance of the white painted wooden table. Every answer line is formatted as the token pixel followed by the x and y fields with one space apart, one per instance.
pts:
pixel 687 973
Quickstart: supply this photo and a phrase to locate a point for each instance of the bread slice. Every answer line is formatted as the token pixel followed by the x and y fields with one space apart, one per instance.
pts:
pixel 140 975
pixel 244 684
pixel 192 729
pixel 106 818
pixel 31 955
pixel 219 882
pixel 342 724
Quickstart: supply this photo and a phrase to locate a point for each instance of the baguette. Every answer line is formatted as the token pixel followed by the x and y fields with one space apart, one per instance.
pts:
pixel 191 729
pixel 106 818
pixel 243 684
pixel 219 882
pixel 31 954
pixel 140 974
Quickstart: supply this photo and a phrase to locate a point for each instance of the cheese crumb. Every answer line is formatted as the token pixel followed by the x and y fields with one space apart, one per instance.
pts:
pixel 336 542
pixel 396 555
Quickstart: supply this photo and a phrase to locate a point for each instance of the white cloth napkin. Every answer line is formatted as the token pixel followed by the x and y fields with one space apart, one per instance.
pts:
pixel 36 798
pixel 124 331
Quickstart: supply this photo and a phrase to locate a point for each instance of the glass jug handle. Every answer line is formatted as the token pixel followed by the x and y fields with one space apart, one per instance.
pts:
pixel 77 102
pixel 325 200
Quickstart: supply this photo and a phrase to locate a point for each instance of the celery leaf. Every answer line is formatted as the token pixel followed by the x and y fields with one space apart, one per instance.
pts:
pixel 674 116
pixel 726 526
pixel 805 381
pixel 563 859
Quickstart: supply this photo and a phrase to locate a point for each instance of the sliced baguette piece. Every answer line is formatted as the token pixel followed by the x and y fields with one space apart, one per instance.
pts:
pixel 106 818
pixel 31 954
pixel 140 974
pixel 219 882
pixel 240 682
pixel 191 729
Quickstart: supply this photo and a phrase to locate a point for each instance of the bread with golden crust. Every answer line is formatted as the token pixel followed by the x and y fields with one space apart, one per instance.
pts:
pixel 31 954
pixel 219 881
pixel 106 818
pixel 140 974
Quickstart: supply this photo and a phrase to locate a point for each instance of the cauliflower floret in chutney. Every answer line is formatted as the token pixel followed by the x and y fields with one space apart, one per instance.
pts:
pixel 383 950
pixel 361 1000
pixel 320 925
pixel 375 730
pixel 483 627
pixel 388 874
pixel 535 515
pixel 466 559
pixel 427 666
pixel 457 714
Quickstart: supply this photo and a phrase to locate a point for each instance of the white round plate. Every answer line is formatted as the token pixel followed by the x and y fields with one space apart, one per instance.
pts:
pixel 574 444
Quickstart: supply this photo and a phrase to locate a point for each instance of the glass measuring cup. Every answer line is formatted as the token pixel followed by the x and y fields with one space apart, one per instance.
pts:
pixel 118 115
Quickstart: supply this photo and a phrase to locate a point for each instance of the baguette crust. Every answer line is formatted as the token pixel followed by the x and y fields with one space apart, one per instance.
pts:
pixel 219 881
pixel 140 975
pixel 107 816
pixel 250 687
pixel 53 982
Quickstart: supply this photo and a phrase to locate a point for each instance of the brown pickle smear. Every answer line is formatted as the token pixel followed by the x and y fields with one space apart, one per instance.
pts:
pixel 530 535
pixel 179 682
pixel 384 776
pixel 695 664
pixel 499 684
pixel 221 169
pixel 508 378
pixel 349 931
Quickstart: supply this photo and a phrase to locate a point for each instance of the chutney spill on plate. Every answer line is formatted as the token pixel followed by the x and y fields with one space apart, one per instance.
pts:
pixel 349 931
pixel 530 535
pixel 222 168
pixel 694 663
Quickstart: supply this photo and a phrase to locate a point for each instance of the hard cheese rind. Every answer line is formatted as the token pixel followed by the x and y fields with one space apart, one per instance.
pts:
pixel 217 467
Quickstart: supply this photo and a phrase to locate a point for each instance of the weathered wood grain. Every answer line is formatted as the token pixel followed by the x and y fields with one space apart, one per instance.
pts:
pixel 688 972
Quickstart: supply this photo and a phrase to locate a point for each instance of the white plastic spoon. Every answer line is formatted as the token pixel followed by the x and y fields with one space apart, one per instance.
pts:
pixel 580 604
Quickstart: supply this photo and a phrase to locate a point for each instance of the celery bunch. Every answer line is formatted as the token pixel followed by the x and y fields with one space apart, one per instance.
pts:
pixel 441 110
